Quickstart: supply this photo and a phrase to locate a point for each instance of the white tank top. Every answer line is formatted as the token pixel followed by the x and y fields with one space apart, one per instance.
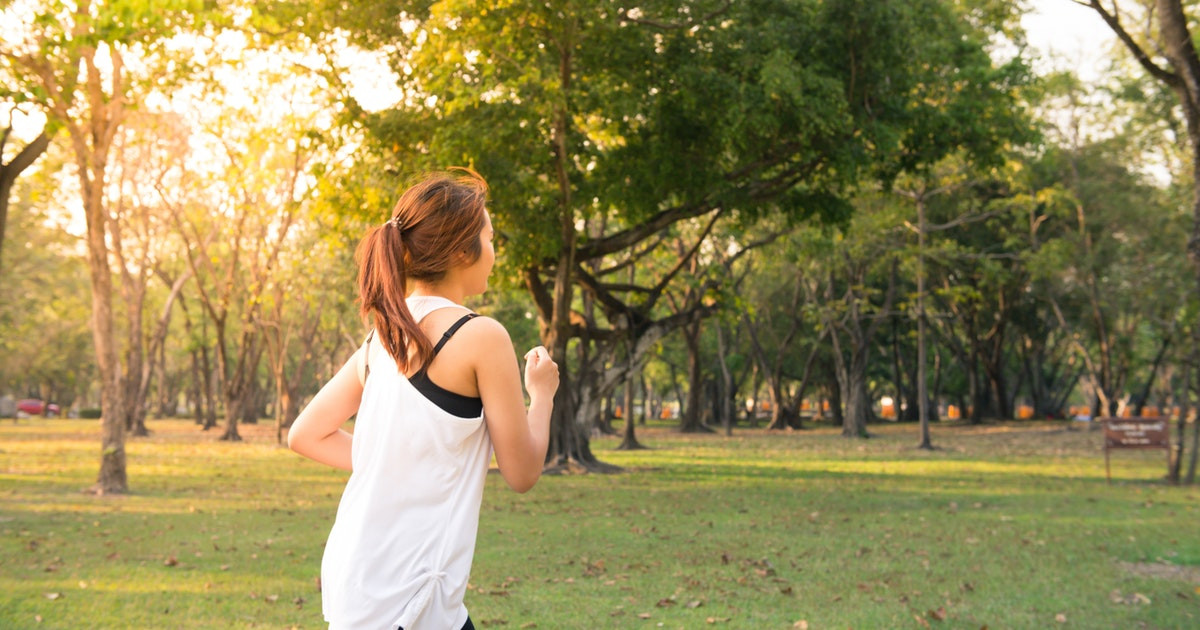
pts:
pixel 401 547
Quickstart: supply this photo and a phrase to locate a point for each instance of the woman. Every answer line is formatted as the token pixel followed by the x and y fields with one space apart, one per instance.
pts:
pixel 401 546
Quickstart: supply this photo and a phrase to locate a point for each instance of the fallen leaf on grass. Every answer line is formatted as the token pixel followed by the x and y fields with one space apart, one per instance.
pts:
pixel 170 561
pixel 801 625
pixel 695 603
pixel 1060 618
pixel 716 619
pixel 666 601
pixel 52 596
pixel 271 599
pixel 939 614
pixel 643 615
pixel 921 620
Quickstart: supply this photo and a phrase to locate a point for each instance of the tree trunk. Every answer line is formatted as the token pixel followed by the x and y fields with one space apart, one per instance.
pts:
pixel 858 402
pixel 112 476
pixel 135 357
pixel 726 384
pixel 9 172
pixel 1139 403
pixel 755 388
pixel 692 420
pixel 836 404
pixel 648 406
pixel 775 397
pixel 1185 410
pixel 629 441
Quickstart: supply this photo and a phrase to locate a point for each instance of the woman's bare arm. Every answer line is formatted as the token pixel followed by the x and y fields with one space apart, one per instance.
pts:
pixel 317 433
pixel 519 436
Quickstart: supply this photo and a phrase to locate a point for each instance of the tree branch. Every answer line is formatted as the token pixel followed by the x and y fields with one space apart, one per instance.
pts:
pixel 1114 23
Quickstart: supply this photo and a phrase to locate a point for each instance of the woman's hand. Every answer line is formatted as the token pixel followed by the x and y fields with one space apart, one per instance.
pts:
pixel 541 374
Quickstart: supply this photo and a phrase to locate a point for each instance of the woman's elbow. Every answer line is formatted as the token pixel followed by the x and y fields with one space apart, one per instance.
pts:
pixel 524 482
pixel 295 441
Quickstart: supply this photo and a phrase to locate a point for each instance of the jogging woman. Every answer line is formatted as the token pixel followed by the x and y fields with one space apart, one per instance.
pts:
pixel 436 390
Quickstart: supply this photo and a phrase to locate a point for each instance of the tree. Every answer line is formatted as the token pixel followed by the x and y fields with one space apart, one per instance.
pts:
pixel 1171 59
pixel 145 148
pixel 70 60
pixel 780 308
pixel 638 119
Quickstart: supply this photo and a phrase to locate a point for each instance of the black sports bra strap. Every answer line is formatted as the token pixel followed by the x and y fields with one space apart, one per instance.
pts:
pixel 453 329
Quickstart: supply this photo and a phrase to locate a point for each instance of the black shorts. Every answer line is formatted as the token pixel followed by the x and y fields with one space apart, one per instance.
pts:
pixel 466 626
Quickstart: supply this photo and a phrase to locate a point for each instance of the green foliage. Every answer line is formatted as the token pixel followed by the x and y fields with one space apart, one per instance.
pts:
pixel 755 107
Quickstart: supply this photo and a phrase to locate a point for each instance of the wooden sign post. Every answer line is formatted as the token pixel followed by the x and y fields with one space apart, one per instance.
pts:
pixel 1136 433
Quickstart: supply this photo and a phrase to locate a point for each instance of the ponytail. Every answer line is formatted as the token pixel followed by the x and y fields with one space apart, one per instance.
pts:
pixel 382 289
pixel 435 225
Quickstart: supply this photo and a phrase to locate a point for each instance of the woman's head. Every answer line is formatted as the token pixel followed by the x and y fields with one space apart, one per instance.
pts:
pixel 435 229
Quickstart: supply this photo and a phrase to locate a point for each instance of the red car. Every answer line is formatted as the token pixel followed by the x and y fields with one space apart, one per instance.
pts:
pixel 35 407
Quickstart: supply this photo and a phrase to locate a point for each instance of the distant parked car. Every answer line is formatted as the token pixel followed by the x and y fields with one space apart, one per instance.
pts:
pixel 31 406
pixel 35 407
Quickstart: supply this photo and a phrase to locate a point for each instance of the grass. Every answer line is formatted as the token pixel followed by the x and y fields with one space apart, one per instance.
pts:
pixel 1005 526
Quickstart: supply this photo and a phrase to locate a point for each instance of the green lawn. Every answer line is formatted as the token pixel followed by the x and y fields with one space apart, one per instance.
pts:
pixel 1006 526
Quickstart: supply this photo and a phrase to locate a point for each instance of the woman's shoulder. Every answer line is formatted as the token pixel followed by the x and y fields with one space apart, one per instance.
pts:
pixel 484 329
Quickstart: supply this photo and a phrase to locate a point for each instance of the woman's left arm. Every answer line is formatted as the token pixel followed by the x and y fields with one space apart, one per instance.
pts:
pixel 317 433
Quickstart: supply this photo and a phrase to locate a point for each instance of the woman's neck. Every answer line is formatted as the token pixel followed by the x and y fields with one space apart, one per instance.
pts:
pixel 421 289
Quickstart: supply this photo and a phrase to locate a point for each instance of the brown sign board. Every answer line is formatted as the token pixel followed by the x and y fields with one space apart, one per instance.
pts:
pixel 1136 433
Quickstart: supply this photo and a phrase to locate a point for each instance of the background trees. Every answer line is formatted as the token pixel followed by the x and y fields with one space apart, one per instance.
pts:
pixel 703 207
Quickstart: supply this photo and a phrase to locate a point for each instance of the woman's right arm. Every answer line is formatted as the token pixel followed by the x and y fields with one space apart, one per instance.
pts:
pixel 317 432
pixel 520 437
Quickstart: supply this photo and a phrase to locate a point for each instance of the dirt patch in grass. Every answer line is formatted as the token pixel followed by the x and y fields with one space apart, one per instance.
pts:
pixel 1162 571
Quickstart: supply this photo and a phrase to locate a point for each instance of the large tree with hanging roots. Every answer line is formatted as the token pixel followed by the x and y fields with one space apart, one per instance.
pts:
pixel 600 127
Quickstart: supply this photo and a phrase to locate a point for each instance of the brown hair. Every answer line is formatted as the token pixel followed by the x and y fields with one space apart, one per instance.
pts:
pixel 434 226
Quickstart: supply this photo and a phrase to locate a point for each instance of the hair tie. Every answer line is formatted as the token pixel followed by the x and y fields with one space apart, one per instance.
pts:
pixel 396 223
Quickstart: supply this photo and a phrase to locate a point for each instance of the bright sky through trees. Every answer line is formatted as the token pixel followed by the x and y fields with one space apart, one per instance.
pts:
pixel 1070 36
